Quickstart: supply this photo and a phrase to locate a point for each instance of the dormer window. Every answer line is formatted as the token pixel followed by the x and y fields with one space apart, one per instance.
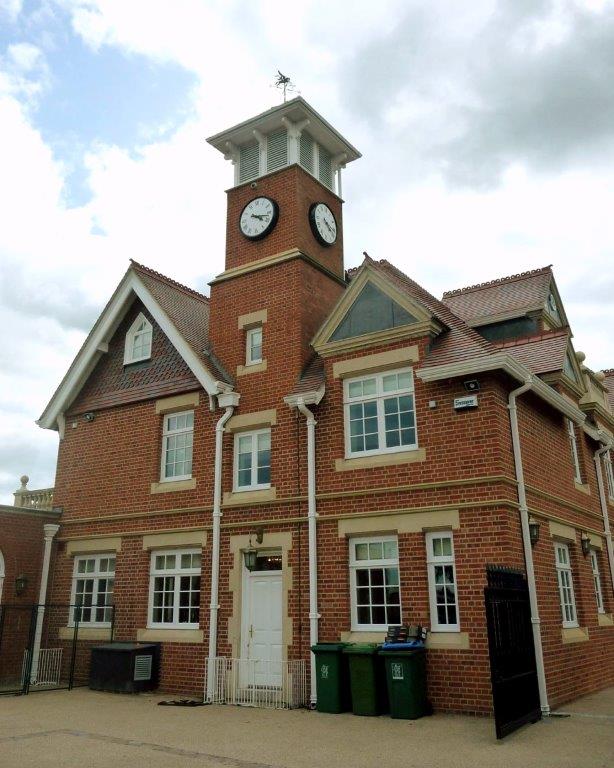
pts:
pixel 138 341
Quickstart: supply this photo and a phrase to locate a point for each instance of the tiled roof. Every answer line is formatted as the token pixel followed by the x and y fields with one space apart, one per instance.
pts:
pixel 189 312
pixel 609 382
pixel 541 354
pixel 458 341
pixel 510 296
pixel 312 377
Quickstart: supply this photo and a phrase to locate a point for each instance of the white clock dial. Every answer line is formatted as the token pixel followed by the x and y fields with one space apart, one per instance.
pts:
pixel 258 217
pixel 323 223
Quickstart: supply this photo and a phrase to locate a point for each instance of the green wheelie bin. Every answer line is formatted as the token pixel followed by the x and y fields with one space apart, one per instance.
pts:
pixel 406 679
pixel 367 679
pixel 332 678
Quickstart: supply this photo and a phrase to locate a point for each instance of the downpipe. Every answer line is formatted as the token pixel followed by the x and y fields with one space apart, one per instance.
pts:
pixel 312 536
pixel 526 543
pixel 215 545
pixel 49 531
pixel 604 507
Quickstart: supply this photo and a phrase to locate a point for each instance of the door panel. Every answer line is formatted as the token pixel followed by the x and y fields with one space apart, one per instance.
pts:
pixel 264 627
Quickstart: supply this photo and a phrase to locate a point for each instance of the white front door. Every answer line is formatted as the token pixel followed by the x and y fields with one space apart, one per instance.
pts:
pixel 262 634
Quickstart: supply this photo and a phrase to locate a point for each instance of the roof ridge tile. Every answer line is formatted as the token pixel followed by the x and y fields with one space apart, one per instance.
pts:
pixel 498 281
pixel 169 280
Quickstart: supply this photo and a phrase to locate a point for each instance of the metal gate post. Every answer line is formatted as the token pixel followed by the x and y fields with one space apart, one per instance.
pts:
pixel 75 634
pixel 31 642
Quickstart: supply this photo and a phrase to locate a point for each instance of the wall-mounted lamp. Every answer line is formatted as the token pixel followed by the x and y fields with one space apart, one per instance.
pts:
pixel 586 544
pixel 21 582
pixel 533 531
pixel 250 555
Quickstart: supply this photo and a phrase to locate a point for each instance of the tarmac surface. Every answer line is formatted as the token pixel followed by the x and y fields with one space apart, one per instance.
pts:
pixel 87 729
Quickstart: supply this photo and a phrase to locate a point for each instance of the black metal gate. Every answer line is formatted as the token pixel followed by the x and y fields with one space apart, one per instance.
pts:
pixel 513 671
pixel 42 648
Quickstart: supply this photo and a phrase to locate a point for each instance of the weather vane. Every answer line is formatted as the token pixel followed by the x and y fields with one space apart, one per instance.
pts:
pixel 283 81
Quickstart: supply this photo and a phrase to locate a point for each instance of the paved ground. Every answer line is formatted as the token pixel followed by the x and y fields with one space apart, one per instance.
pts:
pixel 85 729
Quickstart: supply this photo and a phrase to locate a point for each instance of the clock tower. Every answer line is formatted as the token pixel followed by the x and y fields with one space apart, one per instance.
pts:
pixel 284 236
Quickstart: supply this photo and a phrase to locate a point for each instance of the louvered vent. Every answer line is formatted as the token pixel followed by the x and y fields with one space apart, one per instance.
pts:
pixel 142 667
pixel 325 171
pixel 249 162
pixel 306 152
pixel 277 150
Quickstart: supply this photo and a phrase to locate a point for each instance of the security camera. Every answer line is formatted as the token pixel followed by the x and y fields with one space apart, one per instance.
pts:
pixel 90 416
pixel 471 385
pixel 254 185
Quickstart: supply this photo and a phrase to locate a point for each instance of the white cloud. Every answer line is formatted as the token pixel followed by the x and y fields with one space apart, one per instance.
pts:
pixel 11 8
pixel 163 202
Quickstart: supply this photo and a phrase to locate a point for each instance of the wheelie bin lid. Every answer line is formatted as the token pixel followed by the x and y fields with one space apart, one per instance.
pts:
pixel 410 645
pixel 362 649
pixel 328 647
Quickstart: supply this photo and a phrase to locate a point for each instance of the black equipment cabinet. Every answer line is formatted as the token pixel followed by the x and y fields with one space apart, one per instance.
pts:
pixel 125 667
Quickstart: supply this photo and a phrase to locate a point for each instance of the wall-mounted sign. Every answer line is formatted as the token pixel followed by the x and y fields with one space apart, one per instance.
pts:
pixel 469 401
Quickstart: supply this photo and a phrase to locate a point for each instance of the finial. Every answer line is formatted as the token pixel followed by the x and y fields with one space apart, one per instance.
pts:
pixel 283 81
pixel 24 480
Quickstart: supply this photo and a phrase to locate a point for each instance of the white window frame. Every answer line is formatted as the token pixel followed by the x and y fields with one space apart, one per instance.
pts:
pixel 384 563
pixel 166 434
pixel 254 486
pixel 573 443
pixel 96 575
pixel 250 358
pixel 131 337
pixel 564 574
pixel 175 573
pixel 594 561
pixel 432 561
pixel 379 398
pixel 609 473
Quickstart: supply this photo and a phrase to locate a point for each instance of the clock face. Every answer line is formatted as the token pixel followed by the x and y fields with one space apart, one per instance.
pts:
pixel 258 218
pixel 323 223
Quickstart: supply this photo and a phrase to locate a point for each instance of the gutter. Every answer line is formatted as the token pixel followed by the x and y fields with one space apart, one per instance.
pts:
pixel 229 401
pixel 300 403
pixel 511 366
pixel 526 544
pixel 607 445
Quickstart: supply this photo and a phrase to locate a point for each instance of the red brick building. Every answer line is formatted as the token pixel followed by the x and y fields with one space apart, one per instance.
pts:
pixel 376 447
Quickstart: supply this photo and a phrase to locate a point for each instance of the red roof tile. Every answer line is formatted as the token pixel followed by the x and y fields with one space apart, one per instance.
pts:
pixel 541 354
pixel 189 312
pixel 609 383
pixel 312 377
pixel 458 341
pixel 512 296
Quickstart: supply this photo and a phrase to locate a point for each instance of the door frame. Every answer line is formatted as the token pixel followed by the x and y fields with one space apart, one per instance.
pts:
pixel 246 601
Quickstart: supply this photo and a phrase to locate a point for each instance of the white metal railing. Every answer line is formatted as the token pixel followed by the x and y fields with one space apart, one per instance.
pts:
pixel 49 667
pixel 256 683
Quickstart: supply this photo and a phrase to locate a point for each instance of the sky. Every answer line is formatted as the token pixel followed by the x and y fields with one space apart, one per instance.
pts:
pixel 486 128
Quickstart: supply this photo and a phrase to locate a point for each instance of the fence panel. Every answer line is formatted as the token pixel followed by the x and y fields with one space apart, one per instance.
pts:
pixel 256 683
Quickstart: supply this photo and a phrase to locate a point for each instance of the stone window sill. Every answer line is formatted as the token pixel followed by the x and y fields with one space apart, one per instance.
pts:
pixel 448 640
pixel 605 619
pixel 583 487
pixel 85 633
pixel 243 370
pixel 174 485
pixel 380 460
pixel 170 635
pixel 574 634
pixel 237 498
